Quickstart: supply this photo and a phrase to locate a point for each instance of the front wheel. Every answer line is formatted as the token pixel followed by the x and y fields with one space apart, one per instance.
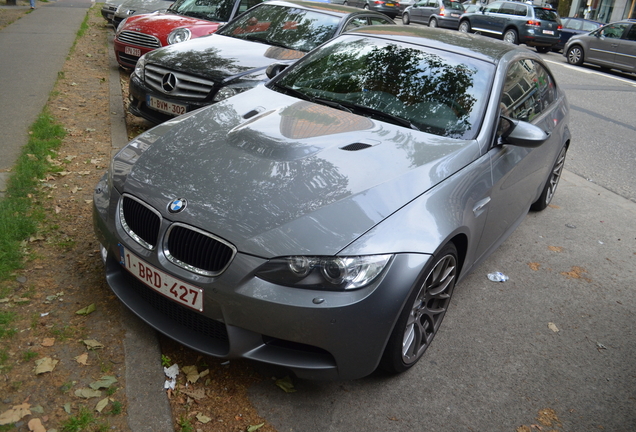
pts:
pixel 464 27
pixel 423 313
pixel 406 20
pixel 510 36
pixel 575 55
pixel 432 23
pixel 550 186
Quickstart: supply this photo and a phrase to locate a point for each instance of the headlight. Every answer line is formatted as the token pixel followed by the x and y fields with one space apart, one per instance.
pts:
pixel 140 67
pixel 324 273
pixel 179 35
pixel 120 27
pixel 231 90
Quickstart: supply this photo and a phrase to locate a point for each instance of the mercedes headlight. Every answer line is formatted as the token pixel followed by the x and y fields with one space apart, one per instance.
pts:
pixel 179 35
pixel 324 273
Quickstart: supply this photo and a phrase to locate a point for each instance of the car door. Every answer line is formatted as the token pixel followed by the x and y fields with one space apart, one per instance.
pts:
pixel 518 173
pixel 625 58
pixel 417 12
pixel 485 21
pixel 603 47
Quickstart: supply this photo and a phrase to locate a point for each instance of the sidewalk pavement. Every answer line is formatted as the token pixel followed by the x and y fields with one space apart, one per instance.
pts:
pixel 32 52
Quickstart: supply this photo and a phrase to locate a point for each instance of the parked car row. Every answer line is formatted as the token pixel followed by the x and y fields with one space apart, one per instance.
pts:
pixel 320 220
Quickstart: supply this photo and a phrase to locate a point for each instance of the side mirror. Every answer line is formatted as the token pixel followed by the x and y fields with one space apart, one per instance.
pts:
pixel 274 69
pixel 520 133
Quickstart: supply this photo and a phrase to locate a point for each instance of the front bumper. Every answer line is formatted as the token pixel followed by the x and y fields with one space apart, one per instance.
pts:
pixel 315 334
pixel 127 54
pixel 138 94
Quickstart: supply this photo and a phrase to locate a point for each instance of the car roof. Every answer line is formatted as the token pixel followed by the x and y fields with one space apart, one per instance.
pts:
pixel 471 45
pixel 330 8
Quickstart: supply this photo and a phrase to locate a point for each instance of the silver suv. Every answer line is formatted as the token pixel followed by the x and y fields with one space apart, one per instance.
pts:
pixel 515 22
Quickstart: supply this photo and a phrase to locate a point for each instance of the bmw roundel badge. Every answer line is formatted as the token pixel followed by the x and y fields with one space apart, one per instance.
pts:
pixel 177 205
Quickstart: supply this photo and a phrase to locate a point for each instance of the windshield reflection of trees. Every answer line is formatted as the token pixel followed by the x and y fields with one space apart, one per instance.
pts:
pixel 435 93
pixel 289 27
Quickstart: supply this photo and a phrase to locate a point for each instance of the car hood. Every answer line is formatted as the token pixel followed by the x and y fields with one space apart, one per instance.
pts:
pixel 160 24
pixel 220 58
pixel 293 178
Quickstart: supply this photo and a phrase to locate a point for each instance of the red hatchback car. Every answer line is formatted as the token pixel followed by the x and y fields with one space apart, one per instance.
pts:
pixel 184 20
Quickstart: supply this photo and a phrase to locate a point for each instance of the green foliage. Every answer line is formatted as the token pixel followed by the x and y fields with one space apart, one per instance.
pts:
pixel 185 425
pixel 165 361
pixel 6 318
pixel 19 217
pixel 78 422
pixel 116 409
pixel 28 355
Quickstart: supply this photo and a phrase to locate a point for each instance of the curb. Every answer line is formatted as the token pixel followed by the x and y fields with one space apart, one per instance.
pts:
pixel 148 406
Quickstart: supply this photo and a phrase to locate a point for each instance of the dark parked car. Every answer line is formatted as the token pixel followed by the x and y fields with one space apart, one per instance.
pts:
pixel 321 220
pixel 180 78
pixel 612 46
pixel 515 22
pixel 388 7
pixel 574 26
pixel 434 13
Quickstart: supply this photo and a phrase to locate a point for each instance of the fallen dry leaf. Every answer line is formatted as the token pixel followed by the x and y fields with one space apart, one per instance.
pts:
pixel 555 248
pixel 35 425
pixel 14 414
pixel 576 273
pixel 87 393
pixel 101 404
pixel 534 266
pixel 203 418
pixel 92 344
pixel 43 365
pixel 197 394
pixel 82 358
pixel 48 342
pixel 553 327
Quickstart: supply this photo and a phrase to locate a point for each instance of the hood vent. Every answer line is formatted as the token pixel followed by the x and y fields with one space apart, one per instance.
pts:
pixel 356 147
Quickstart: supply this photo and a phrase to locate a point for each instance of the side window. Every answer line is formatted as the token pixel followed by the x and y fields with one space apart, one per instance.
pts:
pixel 246 4
pixel 355 23
pixel 379 21
pixel 613 31
pixel 432 3
pixel 492 8
pixel 521 10
pixel 588 26
pixel 631 35
pixel 507 8
pixel 528 91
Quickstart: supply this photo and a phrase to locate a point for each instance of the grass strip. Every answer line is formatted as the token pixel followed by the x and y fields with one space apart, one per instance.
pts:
pixel 20 213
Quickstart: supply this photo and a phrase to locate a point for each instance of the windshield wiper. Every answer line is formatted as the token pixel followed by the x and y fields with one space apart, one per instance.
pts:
pixel 300 95
pixel 371 112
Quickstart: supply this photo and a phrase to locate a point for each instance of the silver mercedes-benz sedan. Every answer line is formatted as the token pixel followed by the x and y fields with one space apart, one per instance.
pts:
pixel 321 220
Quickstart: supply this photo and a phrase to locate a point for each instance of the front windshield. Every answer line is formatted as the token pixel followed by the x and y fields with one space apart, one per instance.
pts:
pixel 287 27
pixel 414 86
pixel 210 10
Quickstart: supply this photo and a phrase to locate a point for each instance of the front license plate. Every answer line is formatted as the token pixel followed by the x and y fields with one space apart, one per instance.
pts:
pixel 550 32
pixel 165 106
pixel 132 51
pixel 171 287
pixel 109 16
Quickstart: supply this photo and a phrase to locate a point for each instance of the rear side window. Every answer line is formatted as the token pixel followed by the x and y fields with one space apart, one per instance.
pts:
pixel 521 10
pixel 507 8
pixel 493 8
pixel 546 14
pixel 589 26
pixel 631 35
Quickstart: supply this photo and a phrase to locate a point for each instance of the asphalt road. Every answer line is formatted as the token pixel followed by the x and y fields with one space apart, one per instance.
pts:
pixel 603 125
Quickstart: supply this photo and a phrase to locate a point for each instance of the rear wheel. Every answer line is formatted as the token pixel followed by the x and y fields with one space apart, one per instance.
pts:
pixel 550 186
pixel 464 27
pixel 432 23
pixel 423 313
pixel 406 20
pixel 575 55
pixel 510 36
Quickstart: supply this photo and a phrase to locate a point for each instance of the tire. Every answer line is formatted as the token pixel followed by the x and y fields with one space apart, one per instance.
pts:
pixel 575 55
pixel 464 27
pixel 511 36
pixel 406 20
pixel 432 23
pixel 543 49
pixel 423 313
pixel 551 184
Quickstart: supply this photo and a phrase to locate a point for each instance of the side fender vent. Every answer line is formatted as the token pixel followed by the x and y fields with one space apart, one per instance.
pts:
pixel 356 147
